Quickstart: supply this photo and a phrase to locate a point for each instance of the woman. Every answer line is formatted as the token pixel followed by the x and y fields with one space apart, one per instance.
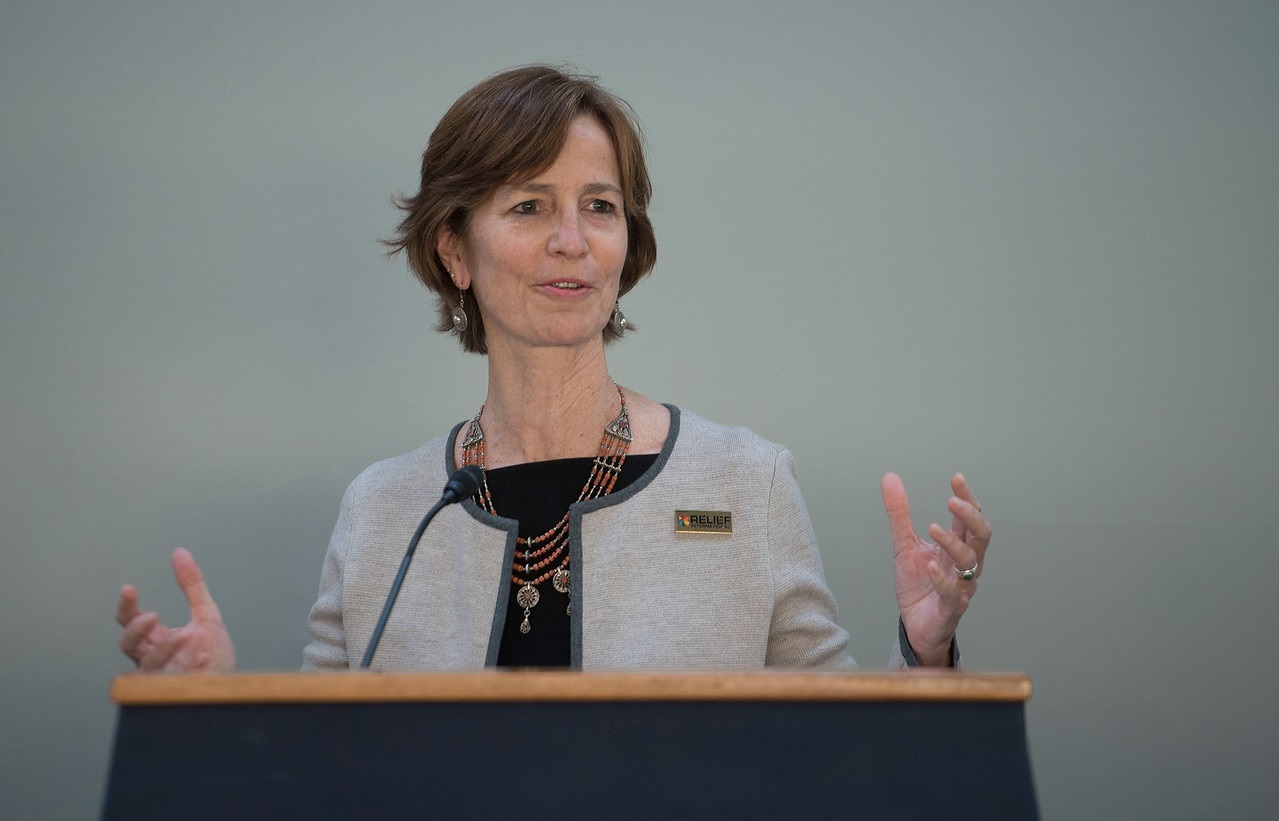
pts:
pixel 610 530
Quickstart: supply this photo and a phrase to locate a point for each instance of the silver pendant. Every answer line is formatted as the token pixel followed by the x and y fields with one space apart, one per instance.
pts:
pixel 561 580
pixel 527 596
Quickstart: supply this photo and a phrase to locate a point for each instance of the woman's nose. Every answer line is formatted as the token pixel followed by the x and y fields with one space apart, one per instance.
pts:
pixel 567 238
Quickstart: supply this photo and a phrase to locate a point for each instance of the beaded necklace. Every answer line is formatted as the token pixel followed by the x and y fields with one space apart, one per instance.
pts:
pixel 534 555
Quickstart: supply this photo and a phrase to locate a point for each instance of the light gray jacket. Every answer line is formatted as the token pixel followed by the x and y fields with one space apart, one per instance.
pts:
pixel 643 596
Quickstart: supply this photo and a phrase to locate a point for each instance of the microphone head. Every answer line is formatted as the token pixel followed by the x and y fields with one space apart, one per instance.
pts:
pixel 464 482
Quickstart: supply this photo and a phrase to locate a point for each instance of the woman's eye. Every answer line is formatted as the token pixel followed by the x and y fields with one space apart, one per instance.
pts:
pixel 602 206
pixel 529 207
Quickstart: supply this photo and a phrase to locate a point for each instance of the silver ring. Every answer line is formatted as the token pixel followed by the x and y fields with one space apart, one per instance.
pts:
pixel 970 573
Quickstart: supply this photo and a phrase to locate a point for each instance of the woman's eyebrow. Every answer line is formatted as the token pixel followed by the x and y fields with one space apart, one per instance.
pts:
pixel 546 188
pixel 603 188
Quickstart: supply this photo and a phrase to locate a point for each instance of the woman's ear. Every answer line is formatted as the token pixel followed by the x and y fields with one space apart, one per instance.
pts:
pixel 449 247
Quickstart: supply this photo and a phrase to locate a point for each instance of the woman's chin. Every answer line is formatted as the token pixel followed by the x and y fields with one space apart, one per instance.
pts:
pixel 584 338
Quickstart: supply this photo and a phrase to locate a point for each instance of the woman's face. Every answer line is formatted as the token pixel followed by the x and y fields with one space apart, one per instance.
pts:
pixel 543 257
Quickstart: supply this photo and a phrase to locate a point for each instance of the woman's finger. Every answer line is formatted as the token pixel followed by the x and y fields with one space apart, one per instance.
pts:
pixel 955 593
pixel 959 487
pixel 137 633
pixel 975 525
pixel 897 506
pixel 127 608
pixel 957 550
pixel 158 656
pixel 191 580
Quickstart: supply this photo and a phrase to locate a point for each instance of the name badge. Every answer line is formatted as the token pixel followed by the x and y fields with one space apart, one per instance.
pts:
pixel 704 521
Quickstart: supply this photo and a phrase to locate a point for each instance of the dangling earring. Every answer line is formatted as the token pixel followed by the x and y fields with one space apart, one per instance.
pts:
pixel 618 319
pixel 460 322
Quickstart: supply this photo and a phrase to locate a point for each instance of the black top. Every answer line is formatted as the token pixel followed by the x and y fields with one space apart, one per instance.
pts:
pixel 537 495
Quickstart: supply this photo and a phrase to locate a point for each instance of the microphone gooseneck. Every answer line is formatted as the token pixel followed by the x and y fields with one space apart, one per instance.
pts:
pixel 461 484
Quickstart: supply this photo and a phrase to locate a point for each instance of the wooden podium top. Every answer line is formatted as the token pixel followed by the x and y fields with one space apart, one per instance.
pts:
pixel 136 689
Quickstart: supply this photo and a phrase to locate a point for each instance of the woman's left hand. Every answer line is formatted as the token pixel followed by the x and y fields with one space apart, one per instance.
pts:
pixel 932 589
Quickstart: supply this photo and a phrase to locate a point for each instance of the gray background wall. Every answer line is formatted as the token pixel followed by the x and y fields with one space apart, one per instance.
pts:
pixel 1033 242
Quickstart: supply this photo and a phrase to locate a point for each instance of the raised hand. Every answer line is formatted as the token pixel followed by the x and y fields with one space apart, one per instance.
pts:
pixel 935 581
pixel 202 645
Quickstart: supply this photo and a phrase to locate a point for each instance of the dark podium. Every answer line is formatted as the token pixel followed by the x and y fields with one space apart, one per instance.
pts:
pixel 528 744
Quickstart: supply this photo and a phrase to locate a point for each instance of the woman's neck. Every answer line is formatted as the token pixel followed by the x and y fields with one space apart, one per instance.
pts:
pixel 552 406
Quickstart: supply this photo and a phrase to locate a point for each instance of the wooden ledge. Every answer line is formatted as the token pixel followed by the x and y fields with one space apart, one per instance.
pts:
pixel 137 689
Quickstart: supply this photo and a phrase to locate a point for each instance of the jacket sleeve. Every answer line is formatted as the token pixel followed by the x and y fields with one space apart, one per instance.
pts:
pixel 327 649
pixel 803 631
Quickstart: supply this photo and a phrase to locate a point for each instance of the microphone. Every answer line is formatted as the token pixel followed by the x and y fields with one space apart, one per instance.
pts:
pixel 464 482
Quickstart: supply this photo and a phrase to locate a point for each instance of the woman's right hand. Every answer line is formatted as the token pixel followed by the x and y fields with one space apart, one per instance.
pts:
pixel 202 645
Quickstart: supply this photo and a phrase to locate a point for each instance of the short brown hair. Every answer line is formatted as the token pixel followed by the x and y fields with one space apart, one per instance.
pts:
pixel 510 128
